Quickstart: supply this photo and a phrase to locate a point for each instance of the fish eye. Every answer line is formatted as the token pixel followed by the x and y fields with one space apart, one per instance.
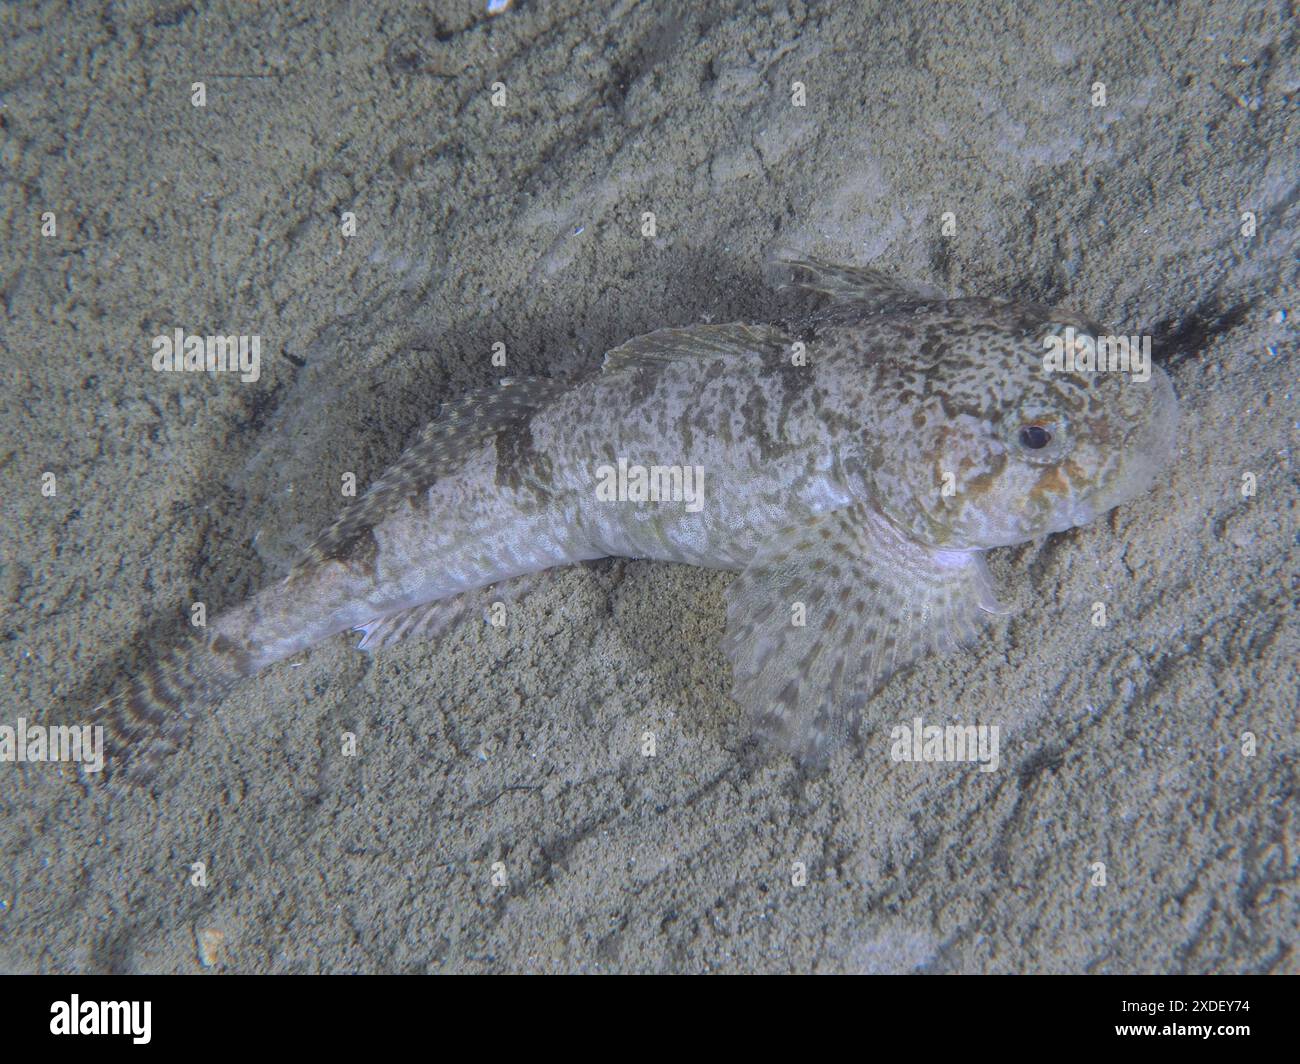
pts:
pixel 1039 435
pixel 1035 437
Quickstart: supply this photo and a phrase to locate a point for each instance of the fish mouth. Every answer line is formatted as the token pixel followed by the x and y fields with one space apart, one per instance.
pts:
pixel 1149 449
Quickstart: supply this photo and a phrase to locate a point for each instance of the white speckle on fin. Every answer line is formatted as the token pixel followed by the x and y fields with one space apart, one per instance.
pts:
pixel 872 601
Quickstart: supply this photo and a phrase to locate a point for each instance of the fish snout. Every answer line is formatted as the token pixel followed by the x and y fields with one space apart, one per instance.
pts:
pixel 1149 444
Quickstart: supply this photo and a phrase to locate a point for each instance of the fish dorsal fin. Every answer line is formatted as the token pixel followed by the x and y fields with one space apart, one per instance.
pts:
pixel 829 609
pixel 462 426
pixel 854 292
pixel 754 343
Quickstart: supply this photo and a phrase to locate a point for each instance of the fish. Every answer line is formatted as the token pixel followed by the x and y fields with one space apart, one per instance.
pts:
pixel 853 465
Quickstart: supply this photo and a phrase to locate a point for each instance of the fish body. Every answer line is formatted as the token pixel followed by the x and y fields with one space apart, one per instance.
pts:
pixel 853 469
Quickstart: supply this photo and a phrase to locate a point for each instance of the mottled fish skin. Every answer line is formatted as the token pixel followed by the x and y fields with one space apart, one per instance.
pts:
pixel 854 469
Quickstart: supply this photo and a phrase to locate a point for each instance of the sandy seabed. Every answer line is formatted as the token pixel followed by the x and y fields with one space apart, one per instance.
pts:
pixel 1171 211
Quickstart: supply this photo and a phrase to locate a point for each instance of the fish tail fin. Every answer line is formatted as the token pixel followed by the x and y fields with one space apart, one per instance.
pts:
pixel 150 719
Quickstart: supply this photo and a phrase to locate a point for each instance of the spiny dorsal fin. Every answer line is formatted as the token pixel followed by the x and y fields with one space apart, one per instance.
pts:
pixel 735 341
pixel 462 426
pixel 854 292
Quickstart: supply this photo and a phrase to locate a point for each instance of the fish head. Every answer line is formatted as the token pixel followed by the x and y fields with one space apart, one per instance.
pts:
pixel 997 438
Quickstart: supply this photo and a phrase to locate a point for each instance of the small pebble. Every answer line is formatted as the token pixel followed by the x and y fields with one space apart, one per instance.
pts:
pixel 211 943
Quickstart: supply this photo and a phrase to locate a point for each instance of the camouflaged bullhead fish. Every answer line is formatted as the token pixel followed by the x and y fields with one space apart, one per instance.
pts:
pixel 854 472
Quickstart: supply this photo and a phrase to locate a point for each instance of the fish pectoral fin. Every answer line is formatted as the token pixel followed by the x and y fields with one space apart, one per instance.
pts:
pixel 854 291
pixel 430 620
pixel 756 343
pixel 829 609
